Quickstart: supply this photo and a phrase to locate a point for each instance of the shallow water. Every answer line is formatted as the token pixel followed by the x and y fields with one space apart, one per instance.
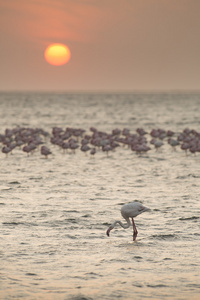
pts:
pixel 55 211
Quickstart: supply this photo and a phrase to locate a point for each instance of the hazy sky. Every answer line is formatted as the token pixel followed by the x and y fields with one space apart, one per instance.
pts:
pixel 121 45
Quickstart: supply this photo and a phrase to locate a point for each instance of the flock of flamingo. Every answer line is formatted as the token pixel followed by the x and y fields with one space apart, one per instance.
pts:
pixel 70 139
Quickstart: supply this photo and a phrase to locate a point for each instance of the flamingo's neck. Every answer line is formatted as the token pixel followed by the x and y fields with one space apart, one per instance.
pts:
pixel 127 225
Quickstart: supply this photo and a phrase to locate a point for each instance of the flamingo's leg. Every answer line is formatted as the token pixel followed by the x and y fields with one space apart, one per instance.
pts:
pixel 135 232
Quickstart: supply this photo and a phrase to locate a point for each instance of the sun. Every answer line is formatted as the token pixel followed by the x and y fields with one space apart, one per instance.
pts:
pixel 57 54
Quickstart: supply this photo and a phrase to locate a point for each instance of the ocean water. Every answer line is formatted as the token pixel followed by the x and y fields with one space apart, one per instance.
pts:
pixel 55 211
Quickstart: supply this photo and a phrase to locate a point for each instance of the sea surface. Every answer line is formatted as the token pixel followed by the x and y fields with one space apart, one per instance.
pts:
pixel 54 212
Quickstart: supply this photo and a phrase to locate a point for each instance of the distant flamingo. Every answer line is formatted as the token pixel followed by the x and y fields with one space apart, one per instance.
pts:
pixel 85 148
pixel 29 148
pixel 6 150
pixel 157 143
pixel 45 151
pixel 93 151
pixel 65 146
pixel 73 146
pixel 173 143
pixel 130 210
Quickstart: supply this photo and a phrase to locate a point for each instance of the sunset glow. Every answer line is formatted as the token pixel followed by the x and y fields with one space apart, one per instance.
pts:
pixel 57 54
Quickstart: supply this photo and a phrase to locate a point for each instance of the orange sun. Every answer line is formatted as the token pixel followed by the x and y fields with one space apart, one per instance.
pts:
pixel 57 54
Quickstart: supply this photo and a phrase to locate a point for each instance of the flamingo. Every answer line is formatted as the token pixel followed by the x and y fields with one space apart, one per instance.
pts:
pixel 93 151
pixel 129 210
pixel 6 150
pixel 45 151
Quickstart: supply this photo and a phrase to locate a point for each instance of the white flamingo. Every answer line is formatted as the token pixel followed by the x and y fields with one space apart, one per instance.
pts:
pixel 130 210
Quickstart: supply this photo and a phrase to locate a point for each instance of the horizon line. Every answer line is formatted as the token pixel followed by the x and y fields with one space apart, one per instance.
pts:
pixel 106 91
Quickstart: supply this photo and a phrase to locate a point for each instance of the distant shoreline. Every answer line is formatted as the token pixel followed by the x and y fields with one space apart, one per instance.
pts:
pixel 101 92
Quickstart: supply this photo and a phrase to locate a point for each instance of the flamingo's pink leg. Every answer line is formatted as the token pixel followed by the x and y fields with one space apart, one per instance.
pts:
pixel 135 232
